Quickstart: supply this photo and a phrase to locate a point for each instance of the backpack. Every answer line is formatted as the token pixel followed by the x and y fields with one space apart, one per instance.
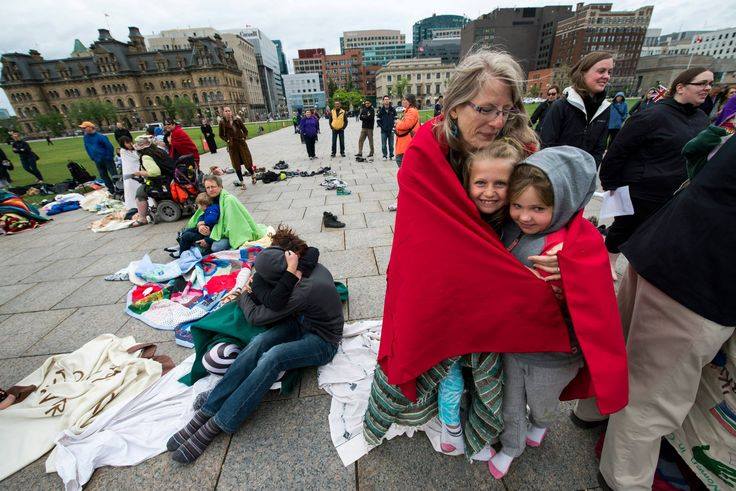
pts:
pixel 79 173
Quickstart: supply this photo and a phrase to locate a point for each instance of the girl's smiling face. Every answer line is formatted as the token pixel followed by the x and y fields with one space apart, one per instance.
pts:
pixel 530 213
pixel 488 184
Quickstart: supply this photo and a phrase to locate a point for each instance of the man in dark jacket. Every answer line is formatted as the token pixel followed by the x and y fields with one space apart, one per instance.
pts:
pixel 28 158
pixel 305 333
pixel 386 118
pixel 368 120
pixel 539 113
pixel 121 131
pixel 101 152
pixel 677 307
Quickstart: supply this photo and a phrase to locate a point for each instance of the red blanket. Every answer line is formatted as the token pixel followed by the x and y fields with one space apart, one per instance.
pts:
pixel 453 288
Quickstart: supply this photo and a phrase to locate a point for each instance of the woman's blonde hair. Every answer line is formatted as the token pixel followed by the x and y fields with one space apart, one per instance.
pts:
pixel 470 75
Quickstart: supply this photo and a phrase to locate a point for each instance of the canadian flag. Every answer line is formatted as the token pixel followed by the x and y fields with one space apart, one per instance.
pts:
pixel 698 39
pixel 661 92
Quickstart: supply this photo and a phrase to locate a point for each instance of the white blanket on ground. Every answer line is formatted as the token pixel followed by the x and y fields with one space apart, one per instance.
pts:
pixel 348 378
pixel 130 434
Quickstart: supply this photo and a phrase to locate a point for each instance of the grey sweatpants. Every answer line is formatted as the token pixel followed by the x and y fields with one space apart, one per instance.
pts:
pixel 537 386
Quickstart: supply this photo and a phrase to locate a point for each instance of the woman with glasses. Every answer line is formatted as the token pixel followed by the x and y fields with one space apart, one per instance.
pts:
pixel 581 119
pixel 647 153
pixel 454 294
pixel 538 115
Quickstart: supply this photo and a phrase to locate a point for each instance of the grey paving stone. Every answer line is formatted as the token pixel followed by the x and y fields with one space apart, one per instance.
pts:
pixel 83 325
pixel 287 214
pixel 106 265
pixel 273 205
pixel 38 296
pixel 252 198
pixel 326 241
pixel 162 473
pixel 366 297
pixel 156 241
pixel 33 476
pixel 368 237
pixel 385 186
pixel 90 247
pixel 317 211
pixel 375 195
pixel 309 387
pixel 308 462
pixel 142 332
pixel 334 199
pixel 20 331
pixel 380 218
pixel 353 221
pixel 18 273
pixel 61 270
pixel 96 291
pixel 16 369
pixel 566 458
pixel 412 463
pixel 293 195
pixel 305 202
pixel 126 243
pixel 27 254
pixel 383 254
pixel 362 207
pixel 306 226
pixel 349 264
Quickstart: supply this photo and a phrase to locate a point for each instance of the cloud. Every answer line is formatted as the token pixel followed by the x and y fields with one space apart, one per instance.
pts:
pixel 51 26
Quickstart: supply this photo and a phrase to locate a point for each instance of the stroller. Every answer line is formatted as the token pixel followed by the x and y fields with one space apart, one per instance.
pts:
pixel 174 192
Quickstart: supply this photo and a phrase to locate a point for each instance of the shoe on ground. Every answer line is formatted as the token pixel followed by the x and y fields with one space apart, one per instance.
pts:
pixel 332 156
pixel 360 159
pixel 171 249
pixel 237 184
pixel 343 191
pixel 358 154
pixel 587 425
pixel 393 207
pixel 175 255
pixel 342 155
pixel 329 220
pixel 385 158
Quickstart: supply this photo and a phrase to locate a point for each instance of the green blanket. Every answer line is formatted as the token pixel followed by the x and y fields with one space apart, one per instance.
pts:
pixel 235 222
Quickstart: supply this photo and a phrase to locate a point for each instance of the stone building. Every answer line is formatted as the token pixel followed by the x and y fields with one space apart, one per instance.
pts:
pixel 596 27
pixel 427 78
pixel 137 82
pixel 244 53
pixel 654 70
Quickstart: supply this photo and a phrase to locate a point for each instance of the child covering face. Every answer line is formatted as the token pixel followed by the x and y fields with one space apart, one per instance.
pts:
pixel 486 179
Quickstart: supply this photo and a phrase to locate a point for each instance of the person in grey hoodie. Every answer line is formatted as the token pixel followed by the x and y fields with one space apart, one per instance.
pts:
pixel 305 333
pixel 545 192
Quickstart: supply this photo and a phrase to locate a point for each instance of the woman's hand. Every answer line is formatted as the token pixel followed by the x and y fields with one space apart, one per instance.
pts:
pixel 247 288
pixel 202 243
pixel 292 261
pixel 548 263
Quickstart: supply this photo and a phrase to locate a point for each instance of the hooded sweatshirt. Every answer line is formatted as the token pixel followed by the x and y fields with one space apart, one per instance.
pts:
pixel 572 174
pixel 619 112
pixel 314 302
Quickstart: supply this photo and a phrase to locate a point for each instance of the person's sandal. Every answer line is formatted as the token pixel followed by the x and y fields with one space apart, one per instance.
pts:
pixel 137 223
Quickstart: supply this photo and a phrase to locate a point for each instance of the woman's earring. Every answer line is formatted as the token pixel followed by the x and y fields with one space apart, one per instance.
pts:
pixel 454 128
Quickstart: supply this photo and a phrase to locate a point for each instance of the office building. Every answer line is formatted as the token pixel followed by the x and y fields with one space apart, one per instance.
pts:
pixel 303 92
pixel 718 44
pixel 440 24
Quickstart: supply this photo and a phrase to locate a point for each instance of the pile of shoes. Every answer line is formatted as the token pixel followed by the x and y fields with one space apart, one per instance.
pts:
pixel 281 165
pixel 333 183
pixel 329 220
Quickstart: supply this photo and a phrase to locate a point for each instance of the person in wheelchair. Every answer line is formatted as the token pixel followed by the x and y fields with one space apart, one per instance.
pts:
pixel 152 160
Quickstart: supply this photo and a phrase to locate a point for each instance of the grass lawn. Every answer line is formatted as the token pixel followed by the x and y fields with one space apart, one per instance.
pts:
pixel 53 158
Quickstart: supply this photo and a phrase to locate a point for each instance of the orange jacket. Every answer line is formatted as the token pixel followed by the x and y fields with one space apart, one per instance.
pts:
pixel 409 123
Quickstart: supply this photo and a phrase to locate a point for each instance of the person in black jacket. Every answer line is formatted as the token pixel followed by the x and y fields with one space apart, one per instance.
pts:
pixel 677 307
pixel 5 167
pixel 386 119
pixel 209 135
pixel 368 120
pixel 647 153
pixel 553 92
pixel 28 158
pixel 581 119
pixel 121 131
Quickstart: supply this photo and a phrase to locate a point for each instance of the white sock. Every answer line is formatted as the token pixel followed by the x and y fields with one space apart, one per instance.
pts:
pixel 501 462
pixel 484 454
pixel 535 435
pixel 451 440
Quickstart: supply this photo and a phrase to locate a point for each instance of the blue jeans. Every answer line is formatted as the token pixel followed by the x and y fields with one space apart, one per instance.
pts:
pixel 285 346
pixel 107 169
pixel 220 245
pixel 387 136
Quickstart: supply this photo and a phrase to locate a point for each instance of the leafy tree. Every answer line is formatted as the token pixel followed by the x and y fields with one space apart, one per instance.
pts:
pixel 184 109
pixel 51 121
pixel 9 124
pixel 533 91
pixel 561 76
pixel 331 88
pixel 347 98
pixel 96 111
pixel 401 86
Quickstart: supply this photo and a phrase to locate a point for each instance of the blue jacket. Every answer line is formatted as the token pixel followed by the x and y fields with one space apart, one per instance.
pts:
pixel 619 113
pixel 99 148
pixel 309 126
pixel 211 215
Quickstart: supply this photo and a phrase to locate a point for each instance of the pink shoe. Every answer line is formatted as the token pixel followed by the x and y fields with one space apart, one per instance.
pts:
pixel 495 472
pixel 536 443
pixel 447 447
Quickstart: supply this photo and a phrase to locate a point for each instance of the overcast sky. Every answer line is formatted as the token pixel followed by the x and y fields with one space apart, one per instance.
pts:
pixel 50 26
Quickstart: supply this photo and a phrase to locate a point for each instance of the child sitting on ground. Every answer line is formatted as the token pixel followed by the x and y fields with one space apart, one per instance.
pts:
pixel 545 192
pixel 486 179
pixel 210 216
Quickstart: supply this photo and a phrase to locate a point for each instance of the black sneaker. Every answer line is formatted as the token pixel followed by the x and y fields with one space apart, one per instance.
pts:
pixel 332 156
pixel 171 249
pixel 330 220
pixel 359 159
pixel 358 155
pixel 342 155
pixel 587 425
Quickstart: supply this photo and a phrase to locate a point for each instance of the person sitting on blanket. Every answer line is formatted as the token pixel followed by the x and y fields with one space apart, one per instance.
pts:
pixel 305 333
pixel 235 226
pixel 210 215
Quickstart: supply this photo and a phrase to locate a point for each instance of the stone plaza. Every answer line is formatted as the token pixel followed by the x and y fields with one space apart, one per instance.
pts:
pixel 53 299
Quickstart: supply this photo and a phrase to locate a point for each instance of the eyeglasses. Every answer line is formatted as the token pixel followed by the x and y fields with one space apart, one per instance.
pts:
pixel 492 112
pixel 552 93
pixel 704 83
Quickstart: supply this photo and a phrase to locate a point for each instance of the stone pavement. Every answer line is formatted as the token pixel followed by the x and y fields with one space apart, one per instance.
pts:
pixel 53 299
